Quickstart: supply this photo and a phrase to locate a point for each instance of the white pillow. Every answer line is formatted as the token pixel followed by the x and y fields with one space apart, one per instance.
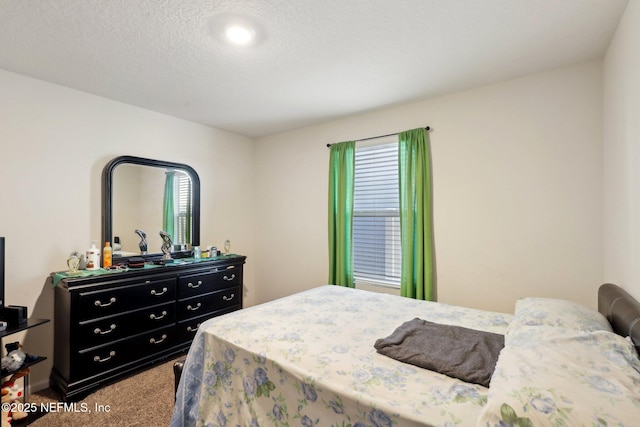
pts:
pixel 533 311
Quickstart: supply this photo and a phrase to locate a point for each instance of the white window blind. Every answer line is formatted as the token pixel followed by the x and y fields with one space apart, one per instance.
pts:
pixel 182 189
pixel 376 218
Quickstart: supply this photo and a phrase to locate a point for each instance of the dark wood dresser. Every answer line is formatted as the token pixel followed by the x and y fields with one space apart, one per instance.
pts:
pixel 113 324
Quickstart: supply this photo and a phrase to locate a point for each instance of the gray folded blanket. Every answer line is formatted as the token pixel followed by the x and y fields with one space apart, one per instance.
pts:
pixel 455 351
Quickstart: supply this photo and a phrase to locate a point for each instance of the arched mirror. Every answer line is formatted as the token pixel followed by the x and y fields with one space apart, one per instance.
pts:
pixel 141 197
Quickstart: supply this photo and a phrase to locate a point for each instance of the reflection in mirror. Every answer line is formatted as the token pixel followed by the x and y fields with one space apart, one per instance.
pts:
pixel 143 197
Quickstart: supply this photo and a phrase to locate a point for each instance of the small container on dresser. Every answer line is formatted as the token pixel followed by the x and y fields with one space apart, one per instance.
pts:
pixel 113 324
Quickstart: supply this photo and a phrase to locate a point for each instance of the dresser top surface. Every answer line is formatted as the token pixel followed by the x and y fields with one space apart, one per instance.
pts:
pixel 179 265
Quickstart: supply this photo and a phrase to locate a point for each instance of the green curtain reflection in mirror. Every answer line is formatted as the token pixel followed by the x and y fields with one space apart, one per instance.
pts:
pixel 168 217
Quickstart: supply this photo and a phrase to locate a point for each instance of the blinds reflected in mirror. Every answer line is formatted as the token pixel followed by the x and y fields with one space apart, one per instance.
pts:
pixel 182 187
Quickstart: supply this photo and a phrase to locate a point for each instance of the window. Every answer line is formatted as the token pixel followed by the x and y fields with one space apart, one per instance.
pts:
pixel 182 207
pixel 376 217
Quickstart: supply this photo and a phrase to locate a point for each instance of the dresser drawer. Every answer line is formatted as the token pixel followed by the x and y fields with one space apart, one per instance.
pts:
pixel 125 295
pixel 202 304
pixel 187 328
pixel 209 280
pixel 103 358
pixel 100 331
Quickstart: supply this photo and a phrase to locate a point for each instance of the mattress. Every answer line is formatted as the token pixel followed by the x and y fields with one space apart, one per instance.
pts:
pixel 309 359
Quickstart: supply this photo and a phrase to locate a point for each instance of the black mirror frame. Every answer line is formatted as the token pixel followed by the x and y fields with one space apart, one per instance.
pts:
pixel 107 198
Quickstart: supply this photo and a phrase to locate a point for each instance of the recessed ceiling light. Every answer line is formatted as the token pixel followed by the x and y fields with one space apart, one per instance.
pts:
pixel 235 30
pixel 239 34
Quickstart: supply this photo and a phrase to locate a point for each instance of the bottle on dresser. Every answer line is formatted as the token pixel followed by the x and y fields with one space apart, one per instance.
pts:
pixel 107 253
pixel 93 257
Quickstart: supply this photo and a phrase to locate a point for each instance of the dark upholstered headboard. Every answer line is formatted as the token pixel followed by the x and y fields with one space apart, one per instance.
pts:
pixel 621 310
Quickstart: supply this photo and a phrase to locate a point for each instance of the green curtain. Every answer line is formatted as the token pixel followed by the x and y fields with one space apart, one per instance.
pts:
pixel 416 215
pixel 341 179
pixel 168 217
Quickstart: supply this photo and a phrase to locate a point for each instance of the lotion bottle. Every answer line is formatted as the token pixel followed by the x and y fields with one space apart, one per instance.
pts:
pixel 106 255
pixel 93 257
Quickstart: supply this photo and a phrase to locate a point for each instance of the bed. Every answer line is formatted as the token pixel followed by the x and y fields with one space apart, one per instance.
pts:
pixel 309 359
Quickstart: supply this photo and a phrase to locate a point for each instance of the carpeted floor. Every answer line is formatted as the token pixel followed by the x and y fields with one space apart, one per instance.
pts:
pixel 144 399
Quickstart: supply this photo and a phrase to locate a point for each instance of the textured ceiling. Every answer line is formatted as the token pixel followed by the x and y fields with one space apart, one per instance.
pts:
pixel 314 60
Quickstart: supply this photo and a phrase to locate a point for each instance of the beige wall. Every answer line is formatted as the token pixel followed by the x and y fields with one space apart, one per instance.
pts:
pixel 517 191
pixel 622 154
pixel 54 144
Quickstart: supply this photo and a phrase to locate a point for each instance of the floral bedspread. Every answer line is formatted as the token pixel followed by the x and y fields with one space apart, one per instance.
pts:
pixel 308 360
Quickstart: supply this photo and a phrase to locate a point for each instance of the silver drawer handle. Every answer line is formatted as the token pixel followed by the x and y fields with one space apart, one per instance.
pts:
pixel 98 303
pixel 194 308
pixel 97 358
pixel 191 285
pixel 153 340
pixel 154 317
pixel 164 291
pixel 226 298
pixel 99 331
pixel 190 329
pixel 228 279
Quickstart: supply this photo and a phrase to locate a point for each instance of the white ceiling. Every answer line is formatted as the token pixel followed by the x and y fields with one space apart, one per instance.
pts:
pixel 314 61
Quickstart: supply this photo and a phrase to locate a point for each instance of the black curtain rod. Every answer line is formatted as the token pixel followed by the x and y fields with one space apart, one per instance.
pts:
pixel 427 128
